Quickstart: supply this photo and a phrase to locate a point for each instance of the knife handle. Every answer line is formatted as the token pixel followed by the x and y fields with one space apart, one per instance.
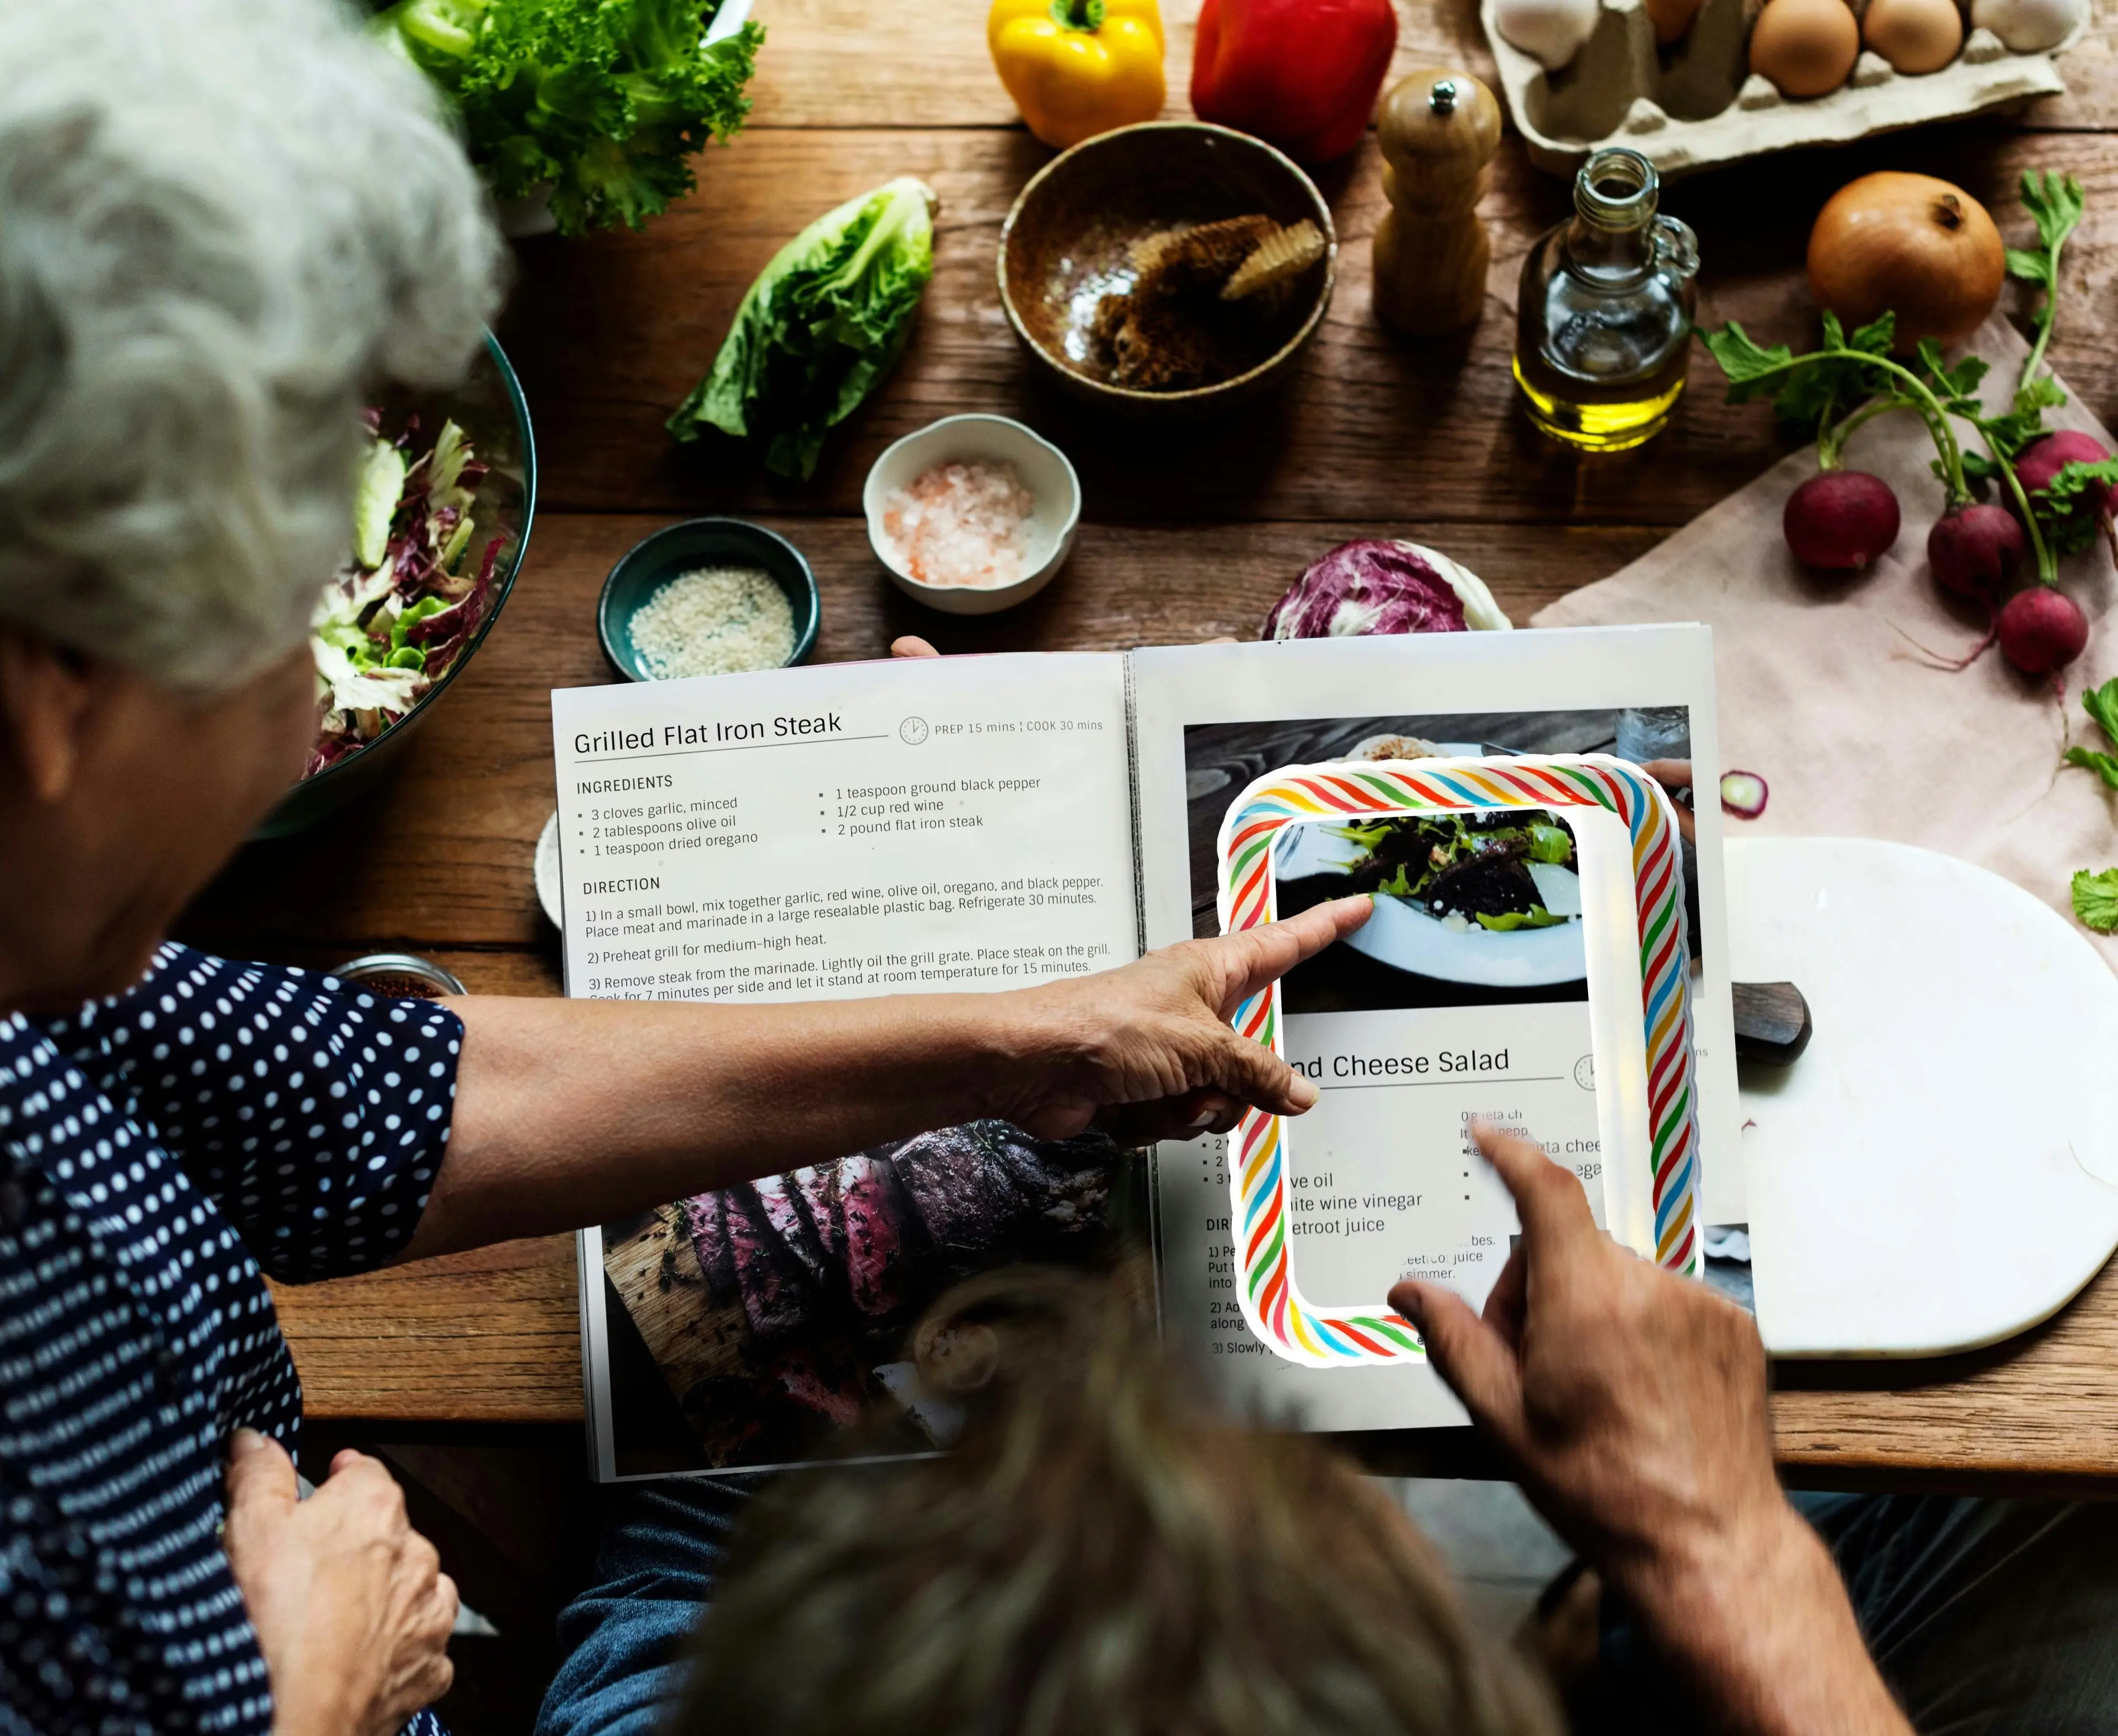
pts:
pixel 1772 1022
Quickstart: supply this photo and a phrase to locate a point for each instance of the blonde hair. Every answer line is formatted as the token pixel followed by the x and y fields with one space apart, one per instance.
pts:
pixel 1104 1553
pixel 222 222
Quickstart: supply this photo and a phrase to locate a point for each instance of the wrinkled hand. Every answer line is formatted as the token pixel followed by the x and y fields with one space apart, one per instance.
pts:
pixel 1146 1051
pixel 1631 1400
pixel 1633 1404
pixel 352 1611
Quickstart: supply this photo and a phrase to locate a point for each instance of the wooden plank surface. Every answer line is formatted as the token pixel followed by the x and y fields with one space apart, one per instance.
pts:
pixel 610 334
pixel 1185 537
pixel 824 68
pixel 493 1335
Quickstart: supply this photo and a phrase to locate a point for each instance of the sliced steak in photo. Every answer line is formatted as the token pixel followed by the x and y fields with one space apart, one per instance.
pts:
pixel 777 1294
pixel 870 1209
pixel 707 1224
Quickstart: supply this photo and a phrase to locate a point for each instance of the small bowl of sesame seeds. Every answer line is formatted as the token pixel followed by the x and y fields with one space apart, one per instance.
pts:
pixel 708 596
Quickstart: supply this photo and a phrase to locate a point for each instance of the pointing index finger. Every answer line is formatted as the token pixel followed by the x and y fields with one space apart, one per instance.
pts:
pixel 1278 947
pixel 1549 1197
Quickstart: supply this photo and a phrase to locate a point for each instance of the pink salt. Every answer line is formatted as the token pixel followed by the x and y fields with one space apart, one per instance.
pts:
pixel 965 523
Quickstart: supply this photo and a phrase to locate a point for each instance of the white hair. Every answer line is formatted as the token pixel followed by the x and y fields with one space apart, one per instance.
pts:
pixel 222 223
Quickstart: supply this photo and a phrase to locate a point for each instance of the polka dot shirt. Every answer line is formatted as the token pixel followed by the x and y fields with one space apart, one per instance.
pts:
pixel 156 1151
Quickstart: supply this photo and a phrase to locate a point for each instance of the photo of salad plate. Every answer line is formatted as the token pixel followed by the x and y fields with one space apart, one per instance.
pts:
pixel 1492 899
pixel 446 494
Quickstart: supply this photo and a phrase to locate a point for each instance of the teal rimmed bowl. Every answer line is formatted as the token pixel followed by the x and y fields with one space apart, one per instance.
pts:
pixel 489 407
pixel 682 548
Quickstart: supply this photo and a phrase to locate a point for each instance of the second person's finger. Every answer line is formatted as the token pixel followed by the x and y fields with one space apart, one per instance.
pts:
pixel 1480 1367
pixel 1548 1196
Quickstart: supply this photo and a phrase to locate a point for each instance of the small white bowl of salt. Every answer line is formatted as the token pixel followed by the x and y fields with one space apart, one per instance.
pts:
pixel 972 514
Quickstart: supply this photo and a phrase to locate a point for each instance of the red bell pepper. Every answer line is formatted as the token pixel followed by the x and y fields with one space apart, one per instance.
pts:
pixel 1300 74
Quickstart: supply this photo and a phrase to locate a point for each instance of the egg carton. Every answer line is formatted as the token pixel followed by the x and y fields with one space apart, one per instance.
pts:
pixel 1696 104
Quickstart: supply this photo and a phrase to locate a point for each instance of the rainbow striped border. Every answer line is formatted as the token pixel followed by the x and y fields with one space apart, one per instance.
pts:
pixel 1272 1300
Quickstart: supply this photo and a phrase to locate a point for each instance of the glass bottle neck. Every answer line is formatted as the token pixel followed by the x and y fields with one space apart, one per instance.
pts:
pixel 1611 241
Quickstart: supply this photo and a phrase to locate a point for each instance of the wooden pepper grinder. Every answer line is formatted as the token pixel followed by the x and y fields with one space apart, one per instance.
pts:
pixel 1439 132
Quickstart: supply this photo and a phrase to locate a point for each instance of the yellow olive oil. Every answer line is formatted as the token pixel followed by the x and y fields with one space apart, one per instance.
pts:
pixel 1591 415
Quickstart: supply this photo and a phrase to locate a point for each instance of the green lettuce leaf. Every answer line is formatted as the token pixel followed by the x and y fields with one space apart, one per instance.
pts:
pixel 604 101
pixel 823 322
pixel 1549 843
pixel 1538 918
pixel 2095 899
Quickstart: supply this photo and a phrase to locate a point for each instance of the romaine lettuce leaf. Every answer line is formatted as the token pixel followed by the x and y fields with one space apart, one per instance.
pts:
pixel 824 322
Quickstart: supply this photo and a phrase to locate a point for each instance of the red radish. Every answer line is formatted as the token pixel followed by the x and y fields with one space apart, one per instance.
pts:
pixel 2037 467
pixel 1974 551
pixel 1840 521
pixel 1743 794
pixel 2042 630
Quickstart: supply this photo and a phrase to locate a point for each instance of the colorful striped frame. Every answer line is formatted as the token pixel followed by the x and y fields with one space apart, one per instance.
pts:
pixel 1272 1301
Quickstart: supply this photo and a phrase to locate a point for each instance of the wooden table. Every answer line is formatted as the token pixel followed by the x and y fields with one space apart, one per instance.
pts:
pixel 1183 539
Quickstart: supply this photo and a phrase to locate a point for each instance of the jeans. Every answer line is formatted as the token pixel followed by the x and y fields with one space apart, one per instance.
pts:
pixel 1984 1617
pixel 624 1636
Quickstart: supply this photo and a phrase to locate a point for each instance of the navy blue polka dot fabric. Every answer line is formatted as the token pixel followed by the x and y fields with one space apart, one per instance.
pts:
pixel 156 1151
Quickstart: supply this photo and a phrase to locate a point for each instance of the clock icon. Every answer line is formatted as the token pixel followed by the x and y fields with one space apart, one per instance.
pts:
pixel 1584 1073
pixel 912 731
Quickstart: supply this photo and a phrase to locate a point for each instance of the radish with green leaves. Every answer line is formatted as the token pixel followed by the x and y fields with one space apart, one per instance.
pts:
pixel 2042 630
pixel 2059 485
pixel 2067 477
pixel 1976 551
pixel 1841 520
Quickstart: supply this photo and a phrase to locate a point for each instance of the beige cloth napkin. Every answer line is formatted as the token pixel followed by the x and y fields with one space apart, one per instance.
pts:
pixel 1821 694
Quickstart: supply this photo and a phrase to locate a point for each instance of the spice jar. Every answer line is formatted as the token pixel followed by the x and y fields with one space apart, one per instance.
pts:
pixel 1603 322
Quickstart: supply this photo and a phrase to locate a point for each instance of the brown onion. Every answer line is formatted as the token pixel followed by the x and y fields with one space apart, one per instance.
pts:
pixel 1910 244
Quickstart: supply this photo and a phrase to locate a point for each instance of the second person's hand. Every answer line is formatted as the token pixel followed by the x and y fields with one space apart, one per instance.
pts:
pixel 1631 1404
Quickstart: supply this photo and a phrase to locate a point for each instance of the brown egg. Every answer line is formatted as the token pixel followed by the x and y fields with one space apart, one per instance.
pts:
pixel 1671 18
pixel 1805 48
pixel 1913 35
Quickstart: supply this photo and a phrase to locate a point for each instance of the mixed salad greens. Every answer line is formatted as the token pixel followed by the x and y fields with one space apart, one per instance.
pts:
pixel 1500 871
pixel 394 620
pixel 605 102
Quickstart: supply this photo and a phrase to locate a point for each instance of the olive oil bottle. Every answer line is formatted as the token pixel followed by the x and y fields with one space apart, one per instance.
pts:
pixel 1603 322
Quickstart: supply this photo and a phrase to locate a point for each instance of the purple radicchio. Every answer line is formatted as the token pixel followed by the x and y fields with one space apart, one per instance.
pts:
pixel 1378 586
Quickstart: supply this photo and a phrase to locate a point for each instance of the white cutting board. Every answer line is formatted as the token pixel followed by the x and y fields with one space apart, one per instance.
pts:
pixel 1940 1169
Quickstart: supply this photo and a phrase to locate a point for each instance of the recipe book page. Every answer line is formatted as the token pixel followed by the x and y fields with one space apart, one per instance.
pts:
pixel 1423 1019
pixel 847 830
pixel 826 833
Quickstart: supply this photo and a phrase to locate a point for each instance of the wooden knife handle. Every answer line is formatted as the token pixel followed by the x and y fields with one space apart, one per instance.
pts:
pixel 1772 1022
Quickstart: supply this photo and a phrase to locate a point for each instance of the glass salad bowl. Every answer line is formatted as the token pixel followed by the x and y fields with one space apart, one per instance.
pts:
pixel 488 407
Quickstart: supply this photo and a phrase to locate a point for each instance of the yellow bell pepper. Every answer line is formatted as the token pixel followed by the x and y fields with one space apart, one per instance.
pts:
pixel 1078 67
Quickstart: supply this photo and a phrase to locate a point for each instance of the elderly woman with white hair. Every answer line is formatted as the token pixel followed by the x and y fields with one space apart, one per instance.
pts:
pixel 223 223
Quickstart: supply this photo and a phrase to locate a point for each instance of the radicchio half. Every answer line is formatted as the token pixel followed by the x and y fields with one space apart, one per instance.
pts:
pixel 1378 586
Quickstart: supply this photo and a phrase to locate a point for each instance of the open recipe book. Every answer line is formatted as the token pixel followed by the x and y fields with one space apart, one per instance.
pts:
pixel 980 823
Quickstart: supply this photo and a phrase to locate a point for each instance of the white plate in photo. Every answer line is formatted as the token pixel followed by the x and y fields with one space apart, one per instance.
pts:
pixel 1405 937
